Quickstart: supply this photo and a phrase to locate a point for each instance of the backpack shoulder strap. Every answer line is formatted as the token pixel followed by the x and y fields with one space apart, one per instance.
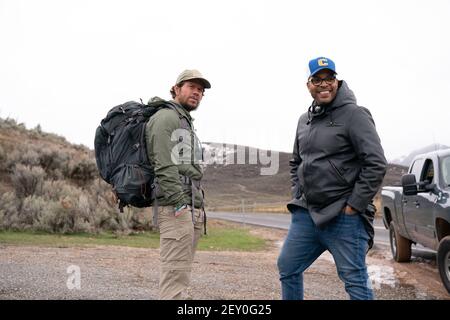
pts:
pixel 184 122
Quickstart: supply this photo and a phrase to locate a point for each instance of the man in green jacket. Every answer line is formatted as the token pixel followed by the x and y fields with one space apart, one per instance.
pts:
pixel 175 153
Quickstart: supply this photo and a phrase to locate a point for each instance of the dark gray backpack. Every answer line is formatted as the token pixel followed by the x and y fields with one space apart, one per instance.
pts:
pixel 121 154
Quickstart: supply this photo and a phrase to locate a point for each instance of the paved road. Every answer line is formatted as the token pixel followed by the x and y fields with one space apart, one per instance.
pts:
pixel 282 221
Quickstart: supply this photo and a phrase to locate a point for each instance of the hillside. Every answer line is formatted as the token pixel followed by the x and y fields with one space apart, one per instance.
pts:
pixel 393 175
pixel 43 172
pixel 227 187
pixel 233 186
pixel 407 159
pixel 50 185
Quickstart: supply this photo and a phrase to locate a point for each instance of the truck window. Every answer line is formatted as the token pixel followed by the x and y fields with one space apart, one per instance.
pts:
pixel 416 168
pixel 428 172
pixel 446 171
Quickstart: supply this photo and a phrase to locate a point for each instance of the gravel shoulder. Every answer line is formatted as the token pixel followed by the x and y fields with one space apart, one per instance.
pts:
pixel 110 272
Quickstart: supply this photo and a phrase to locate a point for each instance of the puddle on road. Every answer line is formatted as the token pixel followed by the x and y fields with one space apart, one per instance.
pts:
pixel 380 275
pixel 391 284
pixel 388 282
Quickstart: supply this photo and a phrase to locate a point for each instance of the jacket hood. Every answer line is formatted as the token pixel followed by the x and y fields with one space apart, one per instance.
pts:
pixel 182 110
pixel 343 97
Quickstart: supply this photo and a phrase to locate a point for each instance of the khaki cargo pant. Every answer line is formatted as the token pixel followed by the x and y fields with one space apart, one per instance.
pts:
pixel 178 242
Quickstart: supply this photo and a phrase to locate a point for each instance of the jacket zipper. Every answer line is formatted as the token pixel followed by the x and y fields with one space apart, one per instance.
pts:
pixel 305 160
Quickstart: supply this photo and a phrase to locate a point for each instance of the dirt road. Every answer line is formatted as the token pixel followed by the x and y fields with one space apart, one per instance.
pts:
pixel 34 272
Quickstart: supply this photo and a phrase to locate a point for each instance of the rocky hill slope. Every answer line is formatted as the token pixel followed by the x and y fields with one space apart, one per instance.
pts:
pixel 38 167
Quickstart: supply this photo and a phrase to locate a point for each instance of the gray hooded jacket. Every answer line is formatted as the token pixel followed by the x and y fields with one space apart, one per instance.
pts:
pixel 337 160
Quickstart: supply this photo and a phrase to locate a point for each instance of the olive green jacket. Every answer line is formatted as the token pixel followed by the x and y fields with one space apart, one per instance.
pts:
pixel 169 141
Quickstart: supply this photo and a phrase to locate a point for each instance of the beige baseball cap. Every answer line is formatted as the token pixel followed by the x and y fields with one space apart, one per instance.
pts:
pixel 193 74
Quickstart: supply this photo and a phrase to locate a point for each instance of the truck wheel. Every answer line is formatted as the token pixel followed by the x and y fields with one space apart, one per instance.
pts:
pixel 443 260
pixel 400 246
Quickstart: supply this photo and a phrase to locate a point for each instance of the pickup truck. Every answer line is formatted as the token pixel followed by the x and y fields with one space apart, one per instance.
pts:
pixel 418 211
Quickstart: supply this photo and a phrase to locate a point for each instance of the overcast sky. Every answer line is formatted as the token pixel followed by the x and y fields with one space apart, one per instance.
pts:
pixel 64 64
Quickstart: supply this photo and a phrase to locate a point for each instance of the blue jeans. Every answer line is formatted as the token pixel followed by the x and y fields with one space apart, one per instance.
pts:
pixel 345 237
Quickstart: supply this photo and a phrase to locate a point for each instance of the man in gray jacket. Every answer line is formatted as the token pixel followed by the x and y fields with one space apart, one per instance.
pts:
pixel 337 168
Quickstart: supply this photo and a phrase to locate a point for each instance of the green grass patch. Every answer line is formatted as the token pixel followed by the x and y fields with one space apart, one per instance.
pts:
pixel 220 237
pixel 231 238
pixel 144 240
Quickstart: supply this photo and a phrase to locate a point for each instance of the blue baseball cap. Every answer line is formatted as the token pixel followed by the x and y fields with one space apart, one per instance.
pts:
pixel 321 63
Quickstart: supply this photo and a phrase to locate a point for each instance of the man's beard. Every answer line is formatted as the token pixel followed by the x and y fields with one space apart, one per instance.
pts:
pixel 189 108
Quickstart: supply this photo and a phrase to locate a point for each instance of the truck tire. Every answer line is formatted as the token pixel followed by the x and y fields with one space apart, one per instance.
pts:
pixel 443 260
pixel 400 246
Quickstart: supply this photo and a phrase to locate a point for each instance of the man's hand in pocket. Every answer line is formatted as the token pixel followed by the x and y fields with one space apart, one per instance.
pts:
pixel 349 210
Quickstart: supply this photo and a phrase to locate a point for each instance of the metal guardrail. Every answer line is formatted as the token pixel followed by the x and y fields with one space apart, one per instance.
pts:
pixel 247 206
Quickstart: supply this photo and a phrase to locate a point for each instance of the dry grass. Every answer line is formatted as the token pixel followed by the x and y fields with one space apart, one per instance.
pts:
pixel 377 203
pixel 267 208
pixel 276 208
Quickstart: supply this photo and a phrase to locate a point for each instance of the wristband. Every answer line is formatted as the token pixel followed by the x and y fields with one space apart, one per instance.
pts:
pixel 183 206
